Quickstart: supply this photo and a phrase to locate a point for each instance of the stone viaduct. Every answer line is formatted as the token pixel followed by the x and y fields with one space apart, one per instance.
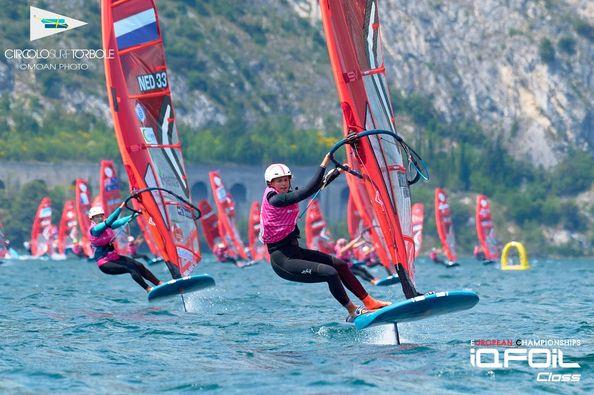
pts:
pixel 245 183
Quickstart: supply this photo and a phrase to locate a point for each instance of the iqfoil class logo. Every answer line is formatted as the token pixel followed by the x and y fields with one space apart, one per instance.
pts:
pixel 43 23
pixel 543 355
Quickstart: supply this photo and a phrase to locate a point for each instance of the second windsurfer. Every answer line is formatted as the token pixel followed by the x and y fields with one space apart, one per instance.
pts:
pixel 108 260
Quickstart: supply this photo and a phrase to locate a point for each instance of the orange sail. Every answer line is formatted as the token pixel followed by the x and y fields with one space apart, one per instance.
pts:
pixel 382 194
pixel 227 220
pixel 485 229
pixel 257 248
pixel 138 88
pixel 68 234
pixel 444 224
pixel 210 224
pixel 41 231
pixel 110 197
pixel 317 234
pixel 418 215
pixel 82 204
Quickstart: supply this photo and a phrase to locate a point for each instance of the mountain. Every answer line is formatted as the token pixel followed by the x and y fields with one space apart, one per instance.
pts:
pixel 497 95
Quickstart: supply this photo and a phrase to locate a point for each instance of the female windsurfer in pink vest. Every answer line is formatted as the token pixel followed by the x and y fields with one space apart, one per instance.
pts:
pixel 108 260
pixel 279 212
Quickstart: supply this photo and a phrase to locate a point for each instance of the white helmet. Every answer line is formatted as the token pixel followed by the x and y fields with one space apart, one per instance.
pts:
pixel 276 170
pixel 96 211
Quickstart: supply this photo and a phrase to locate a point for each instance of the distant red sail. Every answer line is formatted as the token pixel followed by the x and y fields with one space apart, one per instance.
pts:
pixel 257 248
pixel 110 197
pixel 41 231
pixel 226 211
pixel 317 234
pixel 485 229
pixel 418 215
pixel 210 224
pixel 444 224
pixel 138 88
pixel 82 204
pixel 68 233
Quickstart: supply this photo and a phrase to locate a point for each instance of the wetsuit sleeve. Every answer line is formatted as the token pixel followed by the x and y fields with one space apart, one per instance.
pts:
pixel 123 221
pixel 286 199
pixel 112 217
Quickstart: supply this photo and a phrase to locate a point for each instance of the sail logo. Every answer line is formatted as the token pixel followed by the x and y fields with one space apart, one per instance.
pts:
pixel 43 23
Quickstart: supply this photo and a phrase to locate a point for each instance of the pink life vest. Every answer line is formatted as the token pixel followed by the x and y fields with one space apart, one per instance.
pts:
pixel 102 243
pixel 132 250
pixel 220 253
pixel 276 223
pixel 346 256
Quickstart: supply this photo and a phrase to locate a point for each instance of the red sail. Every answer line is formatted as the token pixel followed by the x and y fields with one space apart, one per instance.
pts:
pixel 110 197
pixel 210 224
pixel 257 248
pixel 138 88
pixel 444 224
pixel 41 232
pixel 226 210
pixel 317 234
pixel 82 204
pixel 418 214
pixel 355 223
pixel 485 229
pixel 68 234
pixel 355 49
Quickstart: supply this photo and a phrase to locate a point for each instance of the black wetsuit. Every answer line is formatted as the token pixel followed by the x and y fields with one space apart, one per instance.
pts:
pixel 294 263
pixel 124 265
pixel 362 272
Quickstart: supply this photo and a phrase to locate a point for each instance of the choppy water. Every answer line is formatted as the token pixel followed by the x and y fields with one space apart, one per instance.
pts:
pixel 68 328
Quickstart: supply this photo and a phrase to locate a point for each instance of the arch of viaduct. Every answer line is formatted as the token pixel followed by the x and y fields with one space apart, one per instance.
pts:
pixel 244 182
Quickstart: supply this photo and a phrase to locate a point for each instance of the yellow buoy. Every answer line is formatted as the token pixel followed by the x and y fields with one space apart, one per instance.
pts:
pixel 506 265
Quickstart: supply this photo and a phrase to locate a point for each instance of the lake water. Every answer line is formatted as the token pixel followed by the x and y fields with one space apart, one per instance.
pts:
pixel 68 328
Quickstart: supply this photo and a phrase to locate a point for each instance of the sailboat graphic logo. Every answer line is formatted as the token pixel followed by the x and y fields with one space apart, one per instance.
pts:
pixel 43 23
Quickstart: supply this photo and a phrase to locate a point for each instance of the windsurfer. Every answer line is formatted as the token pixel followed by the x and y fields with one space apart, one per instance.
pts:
pixel 222 253
pixel 344 250
pixel 108 260
pixel 133 244
pixel 479 254
pixel 434 255
pixel 280 211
